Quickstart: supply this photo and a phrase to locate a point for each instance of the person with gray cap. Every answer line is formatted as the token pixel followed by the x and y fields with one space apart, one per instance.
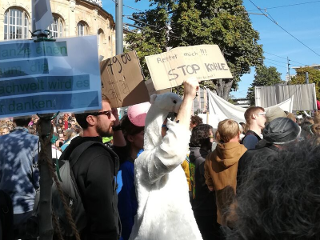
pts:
pixel 276 136
pixel 273 113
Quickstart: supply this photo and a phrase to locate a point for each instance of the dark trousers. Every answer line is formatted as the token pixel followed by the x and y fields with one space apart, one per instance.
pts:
pixel 208 226
pixel 22 228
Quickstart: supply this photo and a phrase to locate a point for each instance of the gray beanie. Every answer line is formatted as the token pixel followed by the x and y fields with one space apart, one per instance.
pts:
pixel 274 112
pixel 281 130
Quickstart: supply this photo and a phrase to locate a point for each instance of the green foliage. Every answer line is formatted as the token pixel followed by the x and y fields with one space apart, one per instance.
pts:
pixel 314 77
pixel 193 22
pixel 151 39
pixel 265 76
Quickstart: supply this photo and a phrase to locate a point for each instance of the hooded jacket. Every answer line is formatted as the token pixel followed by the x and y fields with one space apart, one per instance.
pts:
pixel 95 174
pixel 164 210
pixel 221 168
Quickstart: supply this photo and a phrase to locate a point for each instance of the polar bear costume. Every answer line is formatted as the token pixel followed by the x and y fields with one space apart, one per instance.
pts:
pixel 164 209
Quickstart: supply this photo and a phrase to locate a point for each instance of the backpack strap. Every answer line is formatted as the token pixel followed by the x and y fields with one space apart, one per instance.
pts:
pixel 77 152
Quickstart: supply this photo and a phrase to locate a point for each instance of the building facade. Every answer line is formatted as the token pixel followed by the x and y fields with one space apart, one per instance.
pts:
pixel 70 18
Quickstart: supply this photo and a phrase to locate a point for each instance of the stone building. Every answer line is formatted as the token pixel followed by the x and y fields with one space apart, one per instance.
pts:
pixel 71 18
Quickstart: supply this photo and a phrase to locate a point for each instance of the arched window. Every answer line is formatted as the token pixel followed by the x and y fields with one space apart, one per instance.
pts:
pixel 100 37
pixel 16 24
pixel 57 26
pixel 82 28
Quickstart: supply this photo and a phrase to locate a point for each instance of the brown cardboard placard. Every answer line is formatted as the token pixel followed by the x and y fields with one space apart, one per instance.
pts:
pixel 152 90
pixel 170 69
pixel 122 80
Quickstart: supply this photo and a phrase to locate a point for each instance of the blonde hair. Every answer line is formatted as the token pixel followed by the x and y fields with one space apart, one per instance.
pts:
pixel 227 129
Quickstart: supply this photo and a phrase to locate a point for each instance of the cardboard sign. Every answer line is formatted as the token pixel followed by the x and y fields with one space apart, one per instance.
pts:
pixel 203 62
pixel 46 77
pixel 122 80
pixel 152 90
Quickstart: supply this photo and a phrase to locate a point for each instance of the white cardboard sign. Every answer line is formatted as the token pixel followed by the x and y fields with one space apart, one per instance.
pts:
pixel 170 69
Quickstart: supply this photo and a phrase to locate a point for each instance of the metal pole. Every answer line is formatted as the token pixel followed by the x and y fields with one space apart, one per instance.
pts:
pixel 289 77
pixel 307 78
pixel 119 27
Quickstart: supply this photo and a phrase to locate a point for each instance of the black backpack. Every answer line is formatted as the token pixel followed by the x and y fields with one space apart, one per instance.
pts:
pixel 6 216
pixel 71 192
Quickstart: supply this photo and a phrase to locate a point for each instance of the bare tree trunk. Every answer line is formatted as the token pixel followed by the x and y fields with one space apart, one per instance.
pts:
pixel 223 87
pixel 45 158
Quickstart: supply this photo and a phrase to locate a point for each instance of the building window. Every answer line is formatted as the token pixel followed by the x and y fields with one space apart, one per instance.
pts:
pixel 56 27
pixel 82 28
pixel 100 37
pixel 16 24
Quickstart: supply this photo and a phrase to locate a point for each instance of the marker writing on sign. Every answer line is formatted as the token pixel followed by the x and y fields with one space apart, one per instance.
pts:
pixel 115 64
pixel 194 68
pixel 216 67
pixel 185 69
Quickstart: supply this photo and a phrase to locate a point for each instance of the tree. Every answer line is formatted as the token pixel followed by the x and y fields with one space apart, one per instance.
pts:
pixel 151 38
pixel 193 22
pixel 314 77
pixel 265 76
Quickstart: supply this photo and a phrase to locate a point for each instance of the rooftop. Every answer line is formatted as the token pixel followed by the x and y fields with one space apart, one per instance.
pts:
pixel 97 2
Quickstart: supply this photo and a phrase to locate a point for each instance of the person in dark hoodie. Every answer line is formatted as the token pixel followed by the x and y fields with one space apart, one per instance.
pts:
pixel 277 135
pixel 203 200
pixel 221 168
pixel 96 170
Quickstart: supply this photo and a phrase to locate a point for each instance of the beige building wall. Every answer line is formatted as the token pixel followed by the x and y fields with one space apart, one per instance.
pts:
pixel 70 13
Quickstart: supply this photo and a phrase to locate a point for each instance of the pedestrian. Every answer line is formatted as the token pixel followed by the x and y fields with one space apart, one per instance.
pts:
pixel 164 209
pixel 132 126
pixel 221 168
pixel 19 175
pixel 96 170
pixel 203 200
pixel 255 120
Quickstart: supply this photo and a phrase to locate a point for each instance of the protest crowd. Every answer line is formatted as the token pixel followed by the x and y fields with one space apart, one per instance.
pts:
pixel 160 173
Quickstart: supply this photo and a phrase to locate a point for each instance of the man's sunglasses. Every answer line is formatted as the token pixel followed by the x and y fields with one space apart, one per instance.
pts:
pixel 108 113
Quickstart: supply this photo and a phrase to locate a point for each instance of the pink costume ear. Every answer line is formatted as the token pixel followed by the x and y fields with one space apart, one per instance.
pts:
pixel 153 98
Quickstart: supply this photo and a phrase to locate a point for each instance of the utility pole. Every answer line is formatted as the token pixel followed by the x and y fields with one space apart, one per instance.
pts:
pixel 307 78
pixel 288 63
pixel 119 26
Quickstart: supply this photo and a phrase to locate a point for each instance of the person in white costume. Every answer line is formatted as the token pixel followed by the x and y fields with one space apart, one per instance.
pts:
pixel 164 209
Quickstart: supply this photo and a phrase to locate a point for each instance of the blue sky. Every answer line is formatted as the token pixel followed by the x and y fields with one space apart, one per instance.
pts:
pixel 300 18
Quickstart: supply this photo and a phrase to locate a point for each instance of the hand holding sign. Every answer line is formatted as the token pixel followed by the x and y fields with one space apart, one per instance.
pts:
pixel 203 62
pixel 191 87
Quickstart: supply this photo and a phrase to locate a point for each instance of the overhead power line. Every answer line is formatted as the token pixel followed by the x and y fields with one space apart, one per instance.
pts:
pixel 289 5
pixel 292 5
pixel 272 20
pixel 274 64
pixel 275 60
pixel 285 58
pixel 129 6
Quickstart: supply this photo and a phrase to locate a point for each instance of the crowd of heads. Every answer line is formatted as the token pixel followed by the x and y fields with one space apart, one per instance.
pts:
pixel 65 127
pixel 280 197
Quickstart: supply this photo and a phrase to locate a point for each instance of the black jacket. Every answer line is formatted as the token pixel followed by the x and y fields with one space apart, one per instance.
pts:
pixel 203 200
pixel 252 158
pixel 95 173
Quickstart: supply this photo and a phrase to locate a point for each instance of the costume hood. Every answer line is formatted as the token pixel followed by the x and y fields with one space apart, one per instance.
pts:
pixel 161 105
